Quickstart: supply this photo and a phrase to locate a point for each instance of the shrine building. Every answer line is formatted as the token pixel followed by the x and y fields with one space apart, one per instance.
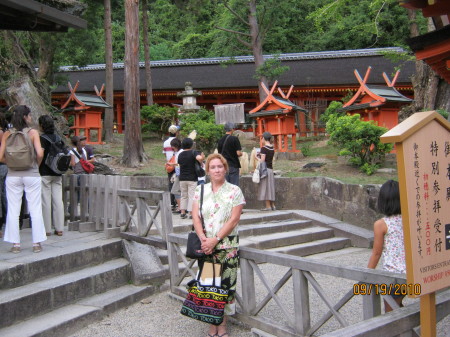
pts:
pixel 317 79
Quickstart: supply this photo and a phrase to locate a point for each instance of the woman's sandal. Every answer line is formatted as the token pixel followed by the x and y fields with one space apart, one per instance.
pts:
pixel 223 335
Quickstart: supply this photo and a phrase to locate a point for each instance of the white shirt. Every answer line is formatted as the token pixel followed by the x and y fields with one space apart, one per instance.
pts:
pixel 167 148
pixel 82 155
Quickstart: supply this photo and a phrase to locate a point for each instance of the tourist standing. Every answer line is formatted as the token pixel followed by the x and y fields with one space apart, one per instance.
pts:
pixel 221 212
pixel 3 173
pixel 188 177
pixel 229 146
pixel 168 152
pixel 266 186
pixel 28 180
pixel 388 236
pixel 52 204
pixel 175 191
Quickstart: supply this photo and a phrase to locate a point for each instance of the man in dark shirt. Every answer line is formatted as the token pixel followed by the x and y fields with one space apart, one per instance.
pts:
pixel 230 147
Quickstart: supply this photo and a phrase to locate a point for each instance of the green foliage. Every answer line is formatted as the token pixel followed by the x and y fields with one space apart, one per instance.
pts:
pixel 158 118
pixel 192 46
pixel 208 132
pixel 332 110
pixel 271 69
pixel 306 150
pixel 443 113
pixel 358 139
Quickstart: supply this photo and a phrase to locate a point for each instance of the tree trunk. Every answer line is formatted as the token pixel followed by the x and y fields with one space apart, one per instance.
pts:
pixel 22 88
pixel 108 124
pixel 430 91
pixel 256 42
pixel 133 150
pixel 148 71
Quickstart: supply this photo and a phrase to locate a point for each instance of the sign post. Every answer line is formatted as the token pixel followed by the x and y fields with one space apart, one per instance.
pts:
pixel 423 161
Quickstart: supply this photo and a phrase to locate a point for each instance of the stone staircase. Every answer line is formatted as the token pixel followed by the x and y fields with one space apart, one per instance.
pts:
pixel 280 231
pixel 68 285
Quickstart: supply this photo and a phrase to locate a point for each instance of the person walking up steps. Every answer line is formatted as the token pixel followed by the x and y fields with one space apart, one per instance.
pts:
pixel 229 146
pixel 23 175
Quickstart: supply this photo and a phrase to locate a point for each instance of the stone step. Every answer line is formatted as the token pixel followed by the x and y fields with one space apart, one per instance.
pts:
pixel 279 226
pixel 21 303
pixel 68 319
pixel 314 247
pixel 275 240
pixel 22 269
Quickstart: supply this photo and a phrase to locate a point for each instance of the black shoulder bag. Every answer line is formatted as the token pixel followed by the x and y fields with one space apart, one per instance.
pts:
pixel 194 244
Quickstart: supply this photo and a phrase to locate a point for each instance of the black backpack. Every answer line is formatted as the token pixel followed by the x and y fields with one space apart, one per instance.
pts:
pixel 58 158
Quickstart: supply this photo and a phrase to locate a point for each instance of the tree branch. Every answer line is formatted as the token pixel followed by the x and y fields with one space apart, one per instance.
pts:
pixel 245 43
pixel 233 31
pixel 236 14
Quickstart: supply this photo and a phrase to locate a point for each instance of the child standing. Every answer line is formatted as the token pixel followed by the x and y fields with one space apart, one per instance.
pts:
pixel 388 235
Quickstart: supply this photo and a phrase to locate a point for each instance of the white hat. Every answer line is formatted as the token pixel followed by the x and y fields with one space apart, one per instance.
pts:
pixel 173 129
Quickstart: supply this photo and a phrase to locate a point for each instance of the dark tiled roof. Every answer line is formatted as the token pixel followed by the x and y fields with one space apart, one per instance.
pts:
pixel 391 94
pixel 93 100
pixel 305 69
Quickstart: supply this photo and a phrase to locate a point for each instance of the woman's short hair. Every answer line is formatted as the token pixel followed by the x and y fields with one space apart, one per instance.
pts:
pixel 187 143
pixel 389 198
pixel 18 117
pixel 46 123
pixel 175 143
pixel 216 156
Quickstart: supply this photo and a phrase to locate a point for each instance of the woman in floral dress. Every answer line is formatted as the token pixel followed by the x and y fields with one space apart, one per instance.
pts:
pixel 221 210
pixel 388 236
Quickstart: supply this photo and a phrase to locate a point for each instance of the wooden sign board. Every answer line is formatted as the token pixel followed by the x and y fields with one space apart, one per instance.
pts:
pixel 423 159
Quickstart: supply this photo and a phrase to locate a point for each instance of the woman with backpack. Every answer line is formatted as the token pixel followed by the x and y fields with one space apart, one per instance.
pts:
pixel 23 175
pixel 52 204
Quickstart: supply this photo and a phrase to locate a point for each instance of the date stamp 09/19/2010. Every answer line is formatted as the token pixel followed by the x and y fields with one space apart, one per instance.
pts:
pixel 387 289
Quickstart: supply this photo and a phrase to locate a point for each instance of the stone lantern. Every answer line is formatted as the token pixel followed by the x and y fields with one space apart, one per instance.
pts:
pixel 189 98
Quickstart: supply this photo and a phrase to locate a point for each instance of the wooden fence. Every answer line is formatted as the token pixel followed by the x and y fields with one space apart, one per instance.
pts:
pixel 296 318
pixel 108 203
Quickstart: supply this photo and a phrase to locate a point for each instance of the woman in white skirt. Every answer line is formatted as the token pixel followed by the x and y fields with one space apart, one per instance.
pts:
pixel 266 186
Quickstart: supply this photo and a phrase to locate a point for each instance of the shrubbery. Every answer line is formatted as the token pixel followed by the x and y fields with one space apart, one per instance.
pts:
pixel 358 139
pixel 158 118
pixel 208 132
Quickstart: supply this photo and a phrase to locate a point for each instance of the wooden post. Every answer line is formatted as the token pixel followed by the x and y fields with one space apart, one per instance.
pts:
pixel 91 197
pixel 83 198
pixel 371 305
pixel 301 302
pixel 73 197
pixel 428 315
pixel 248 287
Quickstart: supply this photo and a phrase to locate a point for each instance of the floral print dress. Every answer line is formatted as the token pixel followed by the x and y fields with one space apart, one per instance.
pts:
pixel 216 210
pixel 393 248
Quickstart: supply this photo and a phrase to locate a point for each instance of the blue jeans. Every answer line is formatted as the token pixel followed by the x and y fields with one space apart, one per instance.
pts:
pixel 233 176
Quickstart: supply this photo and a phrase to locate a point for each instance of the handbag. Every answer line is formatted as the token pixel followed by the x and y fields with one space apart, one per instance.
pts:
pixel 88 167
pixel 170 168
pixel 255 176
pixel 205 303
pixel 194 244
pixel 199 171
pixel 262 170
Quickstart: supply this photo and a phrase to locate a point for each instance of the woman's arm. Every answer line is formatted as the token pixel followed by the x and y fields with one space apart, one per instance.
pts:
pixel 208 244
pixel 3 146
pixel 262 157
pixel 379 231
pixel 36 140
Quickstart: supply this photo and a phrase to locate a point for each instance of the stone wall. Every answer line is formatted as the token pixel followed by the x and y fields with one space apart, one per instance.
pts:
pixel 355 204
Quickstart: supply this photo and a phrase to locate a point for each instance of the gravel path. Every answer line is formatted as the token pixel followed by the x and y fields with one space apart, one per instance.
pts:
pixel 160 317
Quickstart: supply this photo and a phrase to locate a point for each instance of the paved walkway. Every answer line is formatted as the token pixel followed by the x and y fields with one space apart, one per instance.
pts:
pixel 158 316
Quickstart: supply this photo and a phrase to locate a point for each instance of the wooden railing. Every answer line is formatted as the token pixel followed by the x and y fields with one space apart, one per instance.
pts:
pixel 108 203
pixel 299 276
